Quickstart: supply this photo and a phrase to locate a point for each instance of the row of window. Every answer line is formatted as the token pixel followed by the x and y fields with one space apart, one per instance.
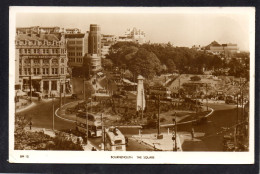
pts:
pixel 79 60
pixel 46 85
pixel 45 61
pixel 74 42
pixel 74 54
pixel 74 48
pixel 39 42
pixel 45 71
pixel 42 51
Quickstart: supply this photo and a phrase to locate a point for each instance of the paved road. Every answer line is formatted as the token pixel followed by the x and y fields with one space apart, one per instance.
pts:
pixel 223 116
pixel 41 115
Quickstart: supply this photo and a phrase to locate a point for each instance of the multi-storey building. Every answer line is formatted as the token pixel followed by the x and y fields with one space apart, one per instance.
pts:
pixel 42 60
pixel 94 47
pixel 225 49
pixel 106 42
pixel 77 47
pixel 133 35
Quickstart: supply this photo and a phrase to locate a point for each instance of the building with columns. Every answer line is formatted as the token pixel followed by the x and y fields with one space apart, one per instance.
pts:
pixel 42 60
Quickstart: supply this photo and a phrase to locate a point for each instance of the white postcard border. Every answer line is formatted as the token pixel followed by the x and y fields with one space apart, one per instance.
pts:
pixel 130 157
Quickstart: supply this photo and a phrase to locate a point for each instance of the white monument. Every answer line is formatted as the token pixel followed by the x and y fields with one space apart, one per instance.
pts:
pixel 140 98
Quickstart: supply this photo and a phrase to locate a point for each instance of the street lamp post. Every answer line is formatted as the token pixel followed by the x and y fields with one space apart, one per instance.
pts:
pixel 158 115
pixel 60 96
pixel 207 96
pixel 52 114
pixel 84 95
pixel 175 133
pixel 103 133
pixel 142 104
pixel 86 123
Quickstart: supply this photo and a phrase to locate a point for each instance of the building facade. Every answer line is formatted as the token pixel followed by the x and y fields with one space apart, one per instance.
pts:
pixel 106 42
pixel 77 47
pixel 42 60
pixel 225 49
pixel 94 47
pixel 133 35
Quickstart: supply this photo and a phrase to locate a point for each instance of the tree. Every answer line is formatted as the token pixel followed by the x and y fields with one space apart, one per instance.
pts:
pixel 145 63
pixel 128 74
pixel 107 63
pixel 171 66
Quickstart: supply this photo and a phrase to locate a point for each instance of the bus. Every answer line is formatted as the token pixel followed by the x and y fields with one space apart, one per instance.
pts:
pixel 162 91
pixel 94 124
pixel 114 140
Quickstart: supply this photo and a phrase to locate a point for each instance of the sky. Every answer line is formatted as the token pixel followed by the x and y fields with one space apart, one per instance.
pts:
pixel 181 29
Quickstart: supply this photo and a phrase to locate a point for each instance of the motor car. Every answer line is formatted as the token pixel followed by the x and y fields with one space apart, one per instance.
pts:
pixel 230 101
pixel 35 94
pixel 74 96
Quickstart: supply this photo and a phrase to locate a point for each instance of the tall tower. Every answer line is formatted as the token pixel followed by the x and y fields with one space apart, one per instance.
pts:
pixel 94 47
pixel 140 98
pixel 94 40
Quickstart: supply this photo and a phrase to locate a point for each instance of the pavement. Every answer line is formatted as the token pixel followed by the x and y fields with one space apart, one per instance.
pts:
pixel 25 104
pixel 167 144
pixel 164 144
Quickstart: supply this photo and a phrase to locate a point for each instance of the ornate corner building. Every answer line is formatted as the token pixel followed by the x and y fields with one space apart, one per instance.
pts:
pixel 42 56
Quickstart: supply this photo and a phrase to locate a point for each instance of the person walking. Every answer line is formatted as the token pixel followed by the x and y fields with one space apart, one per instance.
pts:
pixel 30 124
pixel 192 133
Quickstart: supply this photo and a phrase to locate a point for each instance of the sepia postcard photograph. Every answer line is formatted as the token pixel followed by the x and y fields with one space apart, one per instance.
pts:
pixel 131 85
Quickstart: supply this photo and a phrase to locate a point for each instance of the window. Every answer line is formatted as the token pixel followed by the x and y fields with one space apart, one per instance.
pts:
pixel 37 70
pixel 36 61
pixel 45 61
pixel 29 51
pixel 79 42
pixel 79 54
pixel 34 71
pixel 79 48
pixel 47 51
pixel 45 85
pixel 62 60
pixel 45 71
pixel 53 85
pixel 27 71
pixel 54 70
pixel 25 51
pixel 62 70
pixel 20 71
pixel 43 51
pixel 54 61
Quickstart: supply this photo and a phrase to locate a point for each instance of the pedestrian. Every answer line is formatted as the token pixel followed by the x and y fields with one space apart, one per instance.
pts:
pixel 192 133
pixel 30 124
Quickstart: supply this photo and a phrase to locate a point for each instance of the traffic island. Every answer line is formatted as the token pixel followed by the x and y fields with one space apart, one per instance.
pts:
pixel 164 144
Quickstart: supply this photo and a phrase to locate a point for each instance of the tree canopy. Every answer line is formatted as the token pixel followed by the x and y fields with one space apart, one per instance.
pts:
pixel 151 59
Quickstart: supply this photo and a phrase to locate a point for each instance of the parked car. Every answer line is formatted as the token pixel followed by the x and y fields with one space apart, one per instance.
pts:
pixel 74 96
pixel 35 94
pixel 230 101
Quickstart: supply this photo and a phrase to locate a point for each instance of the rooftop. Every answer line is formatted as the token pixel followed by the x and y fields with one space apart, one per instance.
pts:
pixel 49 37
